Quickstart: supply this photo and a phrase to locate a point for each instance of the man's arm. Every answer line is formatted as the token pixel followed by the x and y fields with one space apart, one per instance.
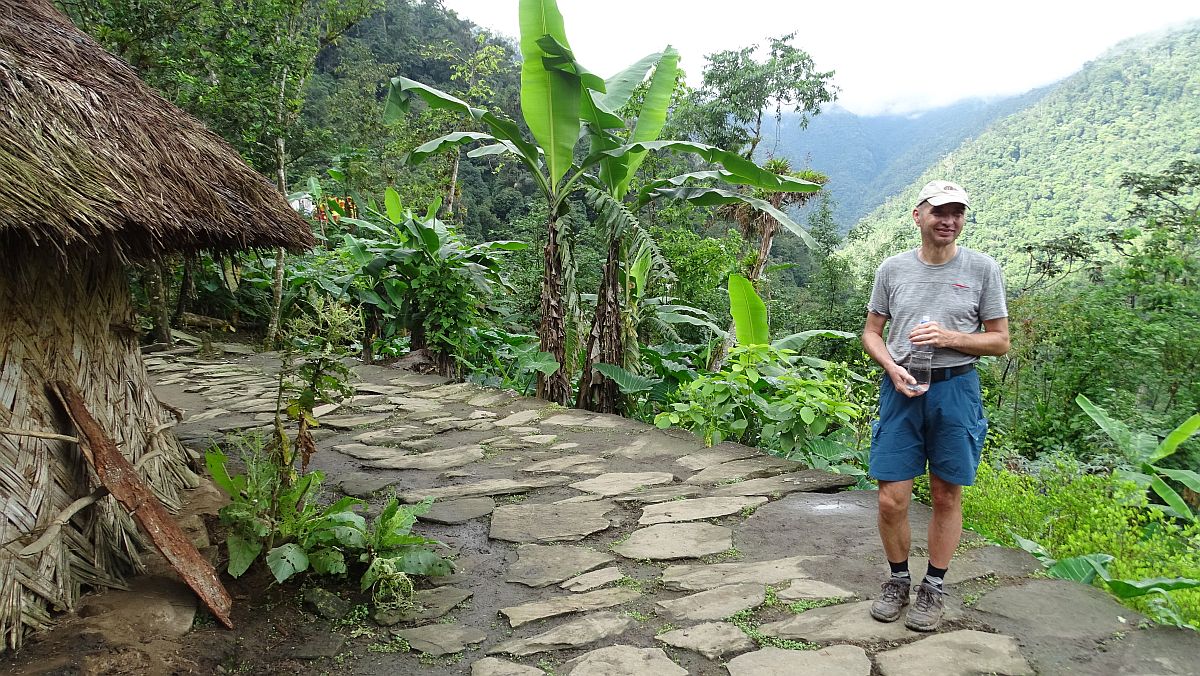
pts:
pixel 872 339
pixel 993 341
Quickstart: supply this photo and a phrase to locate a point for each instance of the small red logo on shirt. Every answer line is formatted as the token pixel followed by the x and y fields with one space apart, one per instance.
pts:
pixel 960 286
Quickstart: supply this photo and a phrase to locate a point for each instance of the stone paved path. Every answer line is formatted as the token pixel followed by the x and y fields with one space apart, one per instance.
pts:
pixel 589 544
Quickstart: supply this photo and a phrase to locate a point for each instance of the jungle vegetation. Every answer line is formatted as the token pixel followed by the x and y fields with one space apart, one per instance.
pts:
pixel 629 248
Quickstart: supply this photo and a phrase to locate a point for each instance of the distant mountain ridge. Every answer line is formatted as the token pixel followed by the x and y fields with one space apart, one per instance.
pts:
pixel 869 158
pixel 1054 168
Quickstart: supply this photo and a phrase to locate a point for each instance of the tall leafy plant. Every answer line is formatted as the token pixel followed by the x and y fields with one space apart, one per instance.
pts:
pixel 1143 451
pixel 416 273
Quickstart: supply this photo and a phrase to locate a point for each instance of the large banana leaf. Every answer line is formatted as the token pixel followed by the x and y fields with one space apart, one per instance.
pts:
pixel 403 91
pixel 652 116
pixel 749 312
pixel 1177 436
pixel 1139 447
pixel 797 341
pixel 442 143
pixel 716 196
pixel 1125 589
pixel 549 96
pixel 618 88
pixel 1177 504
pixel 731 162
pixel 1081 568
pixel 629 383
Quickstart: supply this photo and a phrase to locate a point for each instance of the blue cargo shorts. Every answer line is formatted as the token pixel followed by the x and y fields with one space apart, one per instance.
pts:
pixel 944 428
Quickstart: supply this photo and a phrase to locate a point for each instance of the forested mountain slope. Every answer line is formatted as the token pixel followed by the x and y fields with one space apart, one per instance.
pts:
pixel 869 158
pixel 1055 168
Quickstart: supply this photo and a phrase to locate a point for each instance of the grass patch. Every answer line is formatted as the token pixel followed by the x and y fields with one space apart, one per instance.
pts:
pixel 396 645
pixel 746 622
pixel 802 605
pixel 731 554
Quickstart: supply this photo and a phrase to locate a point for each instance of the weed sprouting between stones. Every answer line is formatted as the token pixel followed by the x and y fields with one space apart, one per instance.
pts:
pixel 802 605
pixel 746 622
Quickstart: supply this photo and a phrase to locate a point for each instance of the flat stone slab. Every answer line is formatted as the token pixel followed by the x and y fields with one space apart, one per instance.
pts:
pixel 318 645
pixel 808 480
pixel 697 577
pixel 750 468
pixel 428 604
pixel 454 512
pixel 661 494
pixel 488 487
pixel 615 483
pixel 415 405
pixel 569 420
pixel 489 399
pixel 721 453
pixel 363 485
pixel 539 439
pixel 1055 608
pixel 958 653
pixel 349 422
pixel 519 418
pixel 836 660
pixel 433 460
pixel 845 622
pixel 564 605
pixel 715 604
pixel 542 565
pixel 563 464
pixel 623 660
pixel 441 639
pixel 593 580
pixel 549 523
pixel 667 541
pixel 808 590
pixel 207 415
pixel 693 510
pixel 367 452
pixel 394 435
pixel 711 639
pixel 574 634
pixel 494 666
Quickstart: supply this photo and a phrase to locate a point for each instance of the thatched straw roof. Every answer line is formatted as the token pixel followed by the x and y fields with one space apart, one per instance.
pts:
pixel 90 155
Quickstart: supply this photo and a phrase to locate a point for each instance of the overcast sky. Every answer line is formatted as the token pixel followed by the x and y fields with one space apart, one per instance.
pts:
pixel 892 56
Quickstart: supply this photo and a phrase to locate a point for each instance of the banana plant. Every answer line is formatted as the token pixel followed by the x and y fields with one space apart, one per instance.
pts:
pixel 1142 450
pixel 558 96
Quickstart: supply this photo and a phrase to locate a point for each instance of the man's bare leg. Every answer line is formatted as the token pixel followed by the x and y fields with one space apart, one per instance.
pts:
pixel 945 528
pixel 894 498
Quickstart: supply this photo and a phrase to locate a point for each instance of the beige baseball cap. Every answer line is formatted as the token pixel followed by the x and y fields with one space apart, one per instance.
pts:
pixel 938 193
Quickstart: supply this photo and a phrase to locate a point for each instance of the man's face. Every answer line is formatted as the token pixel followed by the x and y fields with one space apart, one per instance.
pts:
pixel 939 225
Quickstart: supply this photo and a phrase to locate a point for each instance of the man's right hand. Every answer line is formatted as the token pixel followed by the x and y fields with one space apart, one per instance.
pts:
pixel 902 380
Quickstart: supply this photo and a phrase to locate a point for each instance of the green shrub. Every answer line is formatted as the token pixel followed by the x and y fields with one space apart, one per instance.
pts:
pixel 1072 513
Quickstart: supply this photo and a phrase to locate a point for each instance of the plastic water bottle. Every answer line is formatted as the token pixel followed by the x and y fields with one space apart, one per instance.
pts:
pixel 920 363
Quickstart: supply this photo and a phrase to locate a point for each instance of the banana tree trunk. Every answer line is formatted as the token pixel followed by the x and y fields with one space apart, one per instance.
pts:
pixel 450 194
pixel 555 387
pixel 604 343
pixel 156 292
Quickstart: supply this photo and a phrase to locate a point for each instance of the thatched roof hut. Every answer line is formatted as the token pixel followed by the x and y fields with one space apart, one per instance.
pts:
pixel 96 170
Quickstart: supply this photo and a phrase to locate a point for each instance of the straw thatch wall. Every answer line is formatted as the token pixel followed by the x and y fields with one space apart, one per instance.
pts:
pixel 88 343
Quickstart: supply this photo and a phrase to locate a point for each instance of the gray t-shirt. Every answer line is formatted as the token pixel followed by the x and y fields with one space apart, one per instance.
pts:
pixel 960 295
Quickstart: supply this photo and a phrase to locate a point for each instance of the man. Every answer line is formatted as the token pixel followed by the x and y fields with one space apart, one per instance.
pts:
pixel 961 291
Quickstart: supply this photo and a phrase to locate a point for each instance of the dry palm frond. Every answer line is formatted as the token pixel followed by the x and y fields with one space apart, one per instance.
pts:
pixel 88 152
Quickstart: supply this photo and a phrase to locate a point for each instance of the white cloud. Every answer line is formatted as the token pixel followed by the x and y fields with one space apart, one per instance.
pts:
pixel 889 56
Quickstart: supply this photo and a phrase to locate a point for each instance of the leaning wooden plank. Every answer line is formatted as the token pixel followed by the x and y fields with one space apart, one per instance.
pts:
pixel 119 476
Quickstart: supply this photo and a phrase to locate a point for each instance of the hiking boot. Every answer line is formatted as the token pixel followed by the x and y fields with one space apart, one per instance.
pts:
pixel 926 613
pixel 892 600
